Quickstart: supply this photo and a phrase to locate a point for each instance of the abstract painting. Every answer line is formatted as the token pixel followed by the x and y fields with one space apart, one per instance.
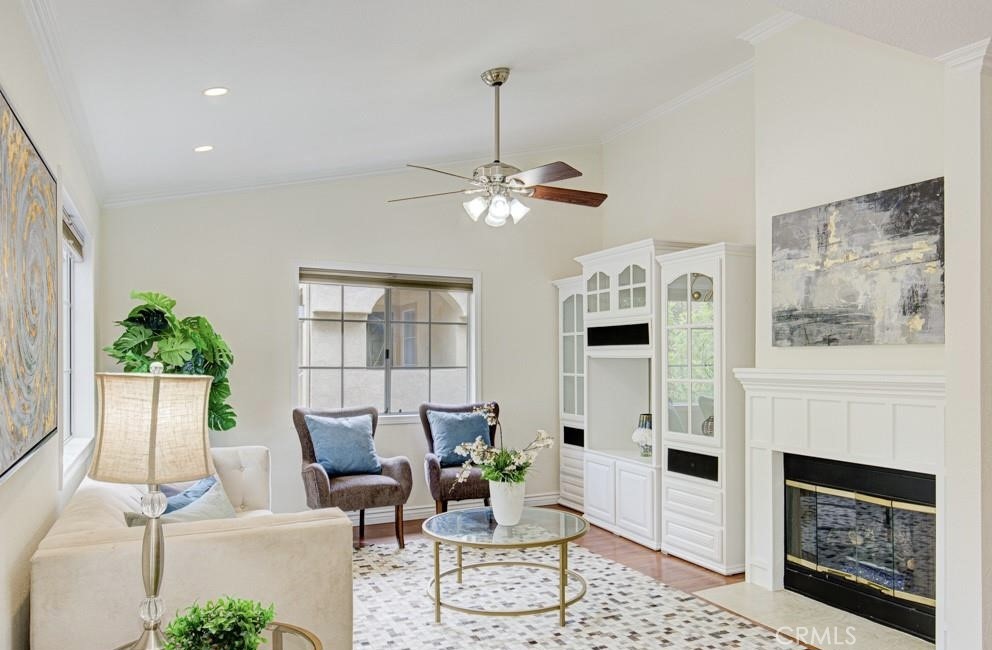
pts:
pixel 862 271
pixel 29 257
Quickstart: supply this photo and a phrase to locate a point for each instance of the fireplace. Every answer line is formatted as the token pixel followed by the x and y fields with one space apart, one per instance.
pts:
pixel 863 539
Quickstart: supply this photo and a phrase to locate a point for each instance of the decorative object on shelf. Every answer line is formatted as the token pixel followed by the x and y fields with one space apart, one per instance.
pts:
pixel 497 185
pixel 151 429
pixel 188 346
pixel 229 623
pixel 643 435
pixel 29 248
pixel 506 471
pixel 862 271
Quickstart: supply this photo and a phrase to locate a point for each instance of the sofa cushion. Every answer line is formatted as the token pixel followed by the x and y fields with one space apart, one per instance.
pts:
pixel 188 495
pixel 344 446
pixel 453 429
pixel 213 504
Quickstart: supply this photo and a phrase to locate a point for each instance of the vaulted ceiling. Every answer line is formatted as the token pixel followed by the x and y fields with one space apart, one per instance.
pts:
pixel 321 88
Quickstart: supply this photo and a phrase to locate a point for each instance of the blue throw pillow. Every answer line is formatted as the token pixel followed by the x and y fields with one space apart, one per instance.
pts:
pixel 453 429
pixel 190 494
pixel 344 446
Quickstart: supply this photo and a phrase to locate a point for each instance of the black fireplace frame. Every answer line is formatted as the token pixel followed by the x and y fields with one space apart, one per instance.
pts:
pixel 913 618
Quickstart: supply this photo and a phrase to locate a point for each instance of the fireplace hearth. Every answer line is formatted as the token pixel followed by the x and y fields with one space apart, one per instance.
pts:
pixel 863 539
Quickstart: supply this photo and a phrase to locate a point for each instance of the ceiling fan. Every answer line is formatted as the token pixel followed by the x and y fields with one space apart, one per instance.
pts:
pixel 497 185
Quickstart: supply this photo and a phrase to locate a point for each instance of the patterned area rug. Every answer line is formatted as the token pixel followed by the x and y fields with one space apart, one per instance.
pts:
pixel 623 609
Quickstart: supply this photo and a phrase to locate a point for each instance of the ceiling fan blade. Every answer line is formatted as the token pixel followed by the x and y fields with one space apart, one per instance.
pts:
pixel 427 196
pixel 565 195
pixel 441 171
pixel 556 171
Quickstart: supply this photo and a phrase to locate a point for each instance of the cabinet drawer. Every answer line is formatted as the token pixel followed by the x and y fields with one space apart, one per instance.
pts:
pixel 571 464
pixel 693 500
pixel 575 491
pixel 693 537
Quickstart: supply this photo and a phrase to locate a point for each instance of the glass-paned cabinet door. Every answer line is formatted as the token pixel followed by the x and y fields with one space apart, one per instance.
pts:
pixel 572 356
pixel 689 355
pixel 632 287
pixel 598 293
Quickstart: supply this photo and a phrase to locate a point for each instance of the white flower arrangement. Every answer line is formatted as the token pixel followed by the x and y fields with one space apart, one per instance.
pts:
pixel 498 463
pixel 642 436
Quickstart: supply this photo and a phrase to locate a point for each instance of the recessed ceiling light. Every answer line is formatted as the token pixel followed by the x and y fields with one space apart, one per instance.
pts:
pixel 217 91
pixel 203 148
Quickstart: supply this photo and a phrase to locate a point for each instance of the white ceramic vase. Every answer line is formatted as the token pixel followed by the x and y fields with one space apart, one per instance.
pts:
pixel 507 500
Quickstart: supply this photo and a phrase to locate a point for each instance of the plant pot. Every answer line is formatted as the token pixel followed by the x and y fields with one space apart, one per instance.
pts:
pixel 508 502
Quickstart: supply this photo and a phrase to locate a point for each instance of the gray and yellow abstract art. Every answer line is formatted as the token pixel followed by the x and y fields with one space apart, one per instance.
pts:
pixel 29 256
pixel 862 271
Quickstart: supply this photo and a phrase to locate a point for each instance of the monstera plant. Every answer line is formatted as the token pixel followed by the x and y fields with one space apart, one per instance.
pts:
pixel 188 346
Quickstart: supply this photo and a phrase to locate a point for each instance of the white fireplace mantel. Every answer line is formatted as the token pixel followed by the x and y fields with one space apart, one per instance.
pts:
pixel 880 418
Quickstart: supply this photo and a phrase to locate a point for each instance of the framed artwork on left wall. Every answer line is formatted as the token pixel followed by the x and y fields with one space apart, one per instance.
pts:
pixel 29 294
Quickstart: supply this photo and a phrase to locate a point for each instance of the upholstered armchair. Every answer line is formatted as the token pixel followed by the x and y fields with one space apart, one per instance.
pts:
pixel 358 492
pixel 440 480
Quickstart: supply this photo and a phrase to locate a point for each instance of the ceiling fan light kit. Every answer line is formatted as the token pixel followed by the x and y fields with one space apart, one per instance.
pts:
pixel 499 185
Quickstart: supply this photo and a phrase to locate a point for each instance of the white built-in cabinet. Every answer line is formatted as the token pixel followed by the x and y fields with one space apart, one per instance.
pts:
pixel 659 327
pixel 707 330
pixel 571 391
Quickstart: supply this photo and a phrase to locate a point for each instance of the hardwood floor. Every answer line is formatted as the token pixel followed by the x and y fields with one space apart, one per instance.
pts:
pixel 665 568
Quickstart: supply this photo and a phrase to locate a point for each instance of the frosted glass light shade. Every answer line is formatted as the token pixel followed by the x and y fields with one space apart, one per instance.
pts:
pixel 499 207
pixel 518 210
pixel 151 429
pixel 475 207
pixel 494 221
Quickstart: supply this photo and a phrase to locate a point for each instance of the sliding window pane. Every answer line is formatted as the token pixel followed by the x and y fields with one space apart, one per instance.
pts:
pixel 449 345
pixel 409 345
pixel 450 306
pixel 407 390
pixel 360 302
pixel 410 304
pixel 321 343
pixel 323 388
pixel 365 344
pixel 365 388
pixel 449 385
pixel 321 300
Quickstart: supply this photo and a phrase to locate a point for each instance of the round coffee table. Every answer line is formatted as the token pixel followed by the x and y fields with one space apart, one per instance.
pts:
pixel 477 528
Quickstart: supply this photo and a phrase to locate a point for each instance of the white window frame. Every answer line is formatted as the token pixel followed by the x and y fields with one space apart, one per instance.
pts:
pixel 68 334
pixel 475 320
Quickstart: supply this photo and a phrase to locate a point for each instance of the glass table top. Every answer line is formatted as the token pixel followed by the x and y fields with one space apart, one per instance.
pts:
pixel 478 527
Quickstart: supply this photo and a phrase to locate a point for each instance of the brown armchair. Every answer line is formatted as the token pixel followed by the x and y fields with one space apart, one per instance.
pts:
pixel 358 492
pixel 441 479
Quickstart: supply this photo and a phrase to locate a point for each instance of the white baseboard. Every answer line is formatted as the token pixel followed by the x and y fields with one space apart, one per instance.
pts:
pixel 410 513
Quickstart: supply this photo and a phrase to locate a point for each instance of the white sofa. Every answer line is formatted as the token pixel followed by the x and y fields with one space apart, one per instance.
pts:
pixel 86 574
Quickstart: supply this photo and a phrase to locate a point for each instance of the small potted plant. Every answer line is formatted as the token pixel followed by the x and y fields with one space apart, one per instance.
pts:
pixel 224 624
pixel 506 470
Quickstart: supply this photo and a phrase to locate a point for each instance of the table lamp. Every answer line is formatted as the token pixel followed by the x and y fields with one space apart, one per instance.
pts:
pixel 151 429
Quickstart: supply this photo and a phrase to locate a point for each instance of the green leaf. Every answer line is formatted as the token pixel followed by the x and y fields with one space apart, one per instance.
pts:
pixel 175 350
pixel 160 300
pixel 136 339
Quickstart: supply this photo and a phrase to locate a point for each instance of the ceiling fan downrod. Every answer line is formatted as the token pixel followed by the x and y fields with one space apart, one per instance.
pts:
pixel 495 78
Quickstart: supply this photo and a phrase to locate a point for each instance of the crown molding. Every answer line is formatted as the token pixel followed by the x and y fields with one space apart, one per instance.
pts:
pixel 974 55
pixel 707 87
pixel 769 27
pixel 41 19
pixel 269 182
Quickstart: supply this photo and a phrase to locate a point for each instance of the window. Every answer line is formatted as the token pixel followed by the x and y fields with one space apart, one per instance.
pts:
pixel 72 252
pixel 384 340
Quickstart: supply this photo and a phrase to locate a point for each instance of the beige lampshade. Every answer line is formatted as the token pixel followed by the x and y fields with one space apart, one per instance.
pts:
pixel 151 428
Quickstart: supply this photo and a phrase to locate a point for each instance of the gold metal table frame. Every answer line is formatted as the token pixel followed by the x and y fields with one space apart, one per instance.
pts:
pixel 565 574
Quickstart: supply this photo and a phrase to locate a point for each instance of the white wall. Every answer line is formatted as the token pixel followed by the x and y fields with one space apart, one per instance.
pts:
pixel 837 116
pixel 687 175
pixel 31 498
pixel 232 258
